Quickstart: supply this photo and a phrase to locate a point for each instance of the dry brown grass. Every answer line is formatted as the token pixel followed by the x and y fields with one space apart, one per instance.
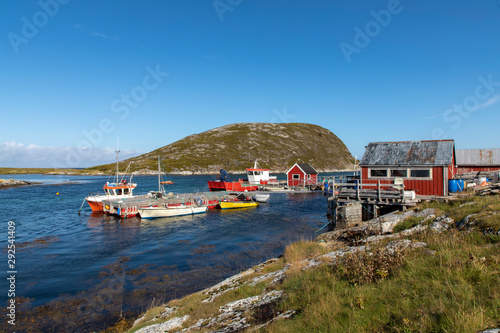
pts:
pixel 302 250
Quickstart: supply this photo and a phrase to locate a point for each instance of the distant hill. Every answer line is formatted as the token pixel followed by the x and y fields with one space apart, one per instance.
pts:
pixel 235 147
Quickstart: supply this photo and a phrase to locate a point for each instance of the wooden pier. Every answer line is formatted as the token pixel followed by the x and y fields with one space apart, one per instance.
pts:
pixel 373 202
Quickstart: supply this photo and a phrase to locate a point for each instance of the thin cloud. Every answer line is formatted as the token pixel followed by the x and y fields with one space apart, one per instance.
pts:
pixel 94 33
pixel 17 155
pixel 490 102
pixel 98 34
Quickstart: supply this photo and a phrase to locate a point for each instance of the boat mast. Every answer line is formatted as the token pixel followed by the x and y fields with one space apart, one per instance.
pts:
pixel 117 151
pixel 159 181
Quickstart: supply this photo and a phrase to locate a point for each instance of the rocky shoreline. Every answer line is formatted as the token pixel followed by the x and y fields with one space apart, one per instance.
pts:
pixel 255 312
pixel 8 183
pixel 234 316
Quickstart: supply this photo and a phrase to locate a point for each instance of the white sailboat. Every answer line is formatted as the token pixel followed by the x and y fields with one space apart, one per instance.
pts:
pixel 169 210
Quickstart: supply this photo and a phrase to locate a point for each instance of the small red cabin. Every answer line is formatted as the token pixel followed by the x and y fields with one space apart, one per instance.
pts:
pixel 301 174
pixel 475 160
pixel 423 166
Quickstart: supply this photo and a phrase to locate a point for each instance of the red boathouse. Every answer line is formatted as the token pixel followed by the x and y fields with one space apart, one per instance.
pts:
pixel 476 160
pixel 301 174
pixel 423 166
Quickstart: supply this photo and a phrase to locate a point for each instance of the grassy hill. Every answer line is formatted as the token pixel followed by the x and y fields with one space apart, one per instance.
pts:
pixel 235 147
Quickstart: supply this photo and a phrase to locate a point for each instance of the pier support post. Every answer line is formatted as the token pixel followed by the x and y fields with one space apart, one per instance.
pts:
pixel 378 190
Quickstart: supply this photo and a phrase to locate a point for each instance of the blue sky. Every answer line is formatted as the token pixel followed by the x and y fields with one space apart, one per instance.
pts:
pixel 76 75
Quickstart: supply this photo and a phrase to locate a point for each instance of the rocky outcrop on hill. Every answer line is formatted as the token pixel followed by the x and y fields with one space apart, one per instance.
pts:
pixel 235 147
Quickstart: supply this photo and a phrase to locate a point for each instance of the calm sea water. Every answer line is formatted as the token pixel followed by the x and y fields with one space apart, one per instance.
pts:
pixel 112 267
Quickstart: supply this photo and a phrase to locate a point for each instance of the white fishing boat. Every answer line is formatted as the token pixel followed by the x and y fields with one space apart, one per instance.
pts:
pixel 149 213
pixel 256 177
pixel 117 190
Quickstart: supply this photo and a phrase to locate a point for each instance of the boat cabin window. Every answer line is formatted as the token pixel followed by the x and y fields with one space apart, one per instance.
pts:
pixel 119 191
pixel 378 173
pixel 126 191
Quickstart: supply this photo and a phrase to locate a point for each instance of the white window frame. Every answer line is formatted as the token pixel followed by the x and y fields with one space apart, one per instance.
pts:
pixel 421 178
pixel 377 177
pixel 408 172
pixel 295 174
pixel 389 172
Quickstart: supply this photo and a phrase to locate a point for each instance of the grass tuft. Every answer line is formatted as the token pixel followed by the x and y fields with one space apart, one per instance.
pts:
pixel 407 223
pixel 302 250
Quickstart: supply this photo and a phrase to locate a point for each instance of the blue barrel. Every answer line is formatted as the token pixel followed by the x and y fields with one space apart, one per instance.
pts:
pixel 453 186
pixel 460 183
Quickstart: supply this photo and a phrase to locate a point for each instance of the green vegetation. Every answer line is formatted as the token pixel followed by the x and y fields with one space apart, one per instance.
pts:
pixel 451 285
pixel 408 223
pixel 453 290
pixel 301 250
pixel 484 211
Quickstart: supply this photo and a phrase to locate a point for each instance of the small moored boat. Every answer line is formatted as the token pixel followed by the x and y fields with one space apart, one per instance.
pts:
pixel 149 213
pixel 237 204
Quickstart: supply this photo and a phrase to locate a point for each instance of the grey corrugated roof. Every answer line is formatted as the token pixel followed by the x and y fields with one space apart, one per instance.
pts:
pixel 479 157
pixel 307 168
pixel 432 152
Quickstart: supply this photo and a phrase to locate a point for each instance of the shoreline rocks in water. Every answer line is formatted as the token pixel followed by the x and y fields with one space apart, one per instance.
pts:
pixel 7 183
